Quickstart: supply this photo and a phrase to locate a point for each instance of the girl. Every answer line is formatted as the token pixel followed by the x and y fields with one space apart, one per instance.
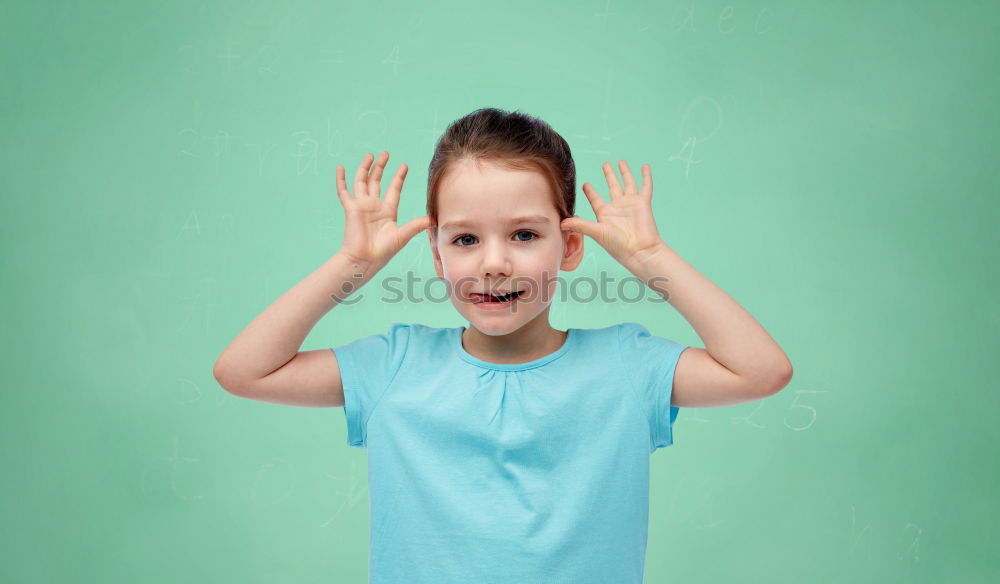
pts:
pixel 505 451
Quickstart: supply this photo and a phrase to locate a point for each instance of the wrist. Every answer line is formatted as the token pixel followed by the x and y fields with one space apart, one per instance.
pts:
pixel 360 265
pixel 647 263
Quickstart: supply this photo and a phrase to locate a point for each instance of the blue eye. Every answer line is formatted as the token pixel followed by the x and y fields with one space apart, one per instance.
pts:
pixel 461 237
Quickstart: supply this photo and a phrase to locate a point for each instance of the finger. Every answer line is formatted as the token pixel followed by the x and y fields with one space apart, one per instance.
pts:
pixel 647 182
pixel 392 194
pixel 375 180
pixel 613 185
pixel 592 195
pixel 342 191
pixel 630 188
pixel 578 225
pixel 413 227
pixel 360 190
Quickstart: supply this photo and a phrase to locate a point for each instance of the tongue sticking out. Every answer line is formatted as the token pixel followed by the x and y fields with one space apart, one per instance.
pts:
pixel 504 298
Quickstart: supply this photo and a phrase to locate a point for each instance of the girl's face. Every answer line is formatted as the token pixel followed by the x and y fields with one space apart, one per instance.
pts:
pixel 498 231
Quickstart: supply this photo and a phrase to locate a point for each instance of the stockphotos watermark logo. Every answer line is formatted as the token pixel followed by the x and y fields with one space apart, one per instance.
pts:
pixel 414 289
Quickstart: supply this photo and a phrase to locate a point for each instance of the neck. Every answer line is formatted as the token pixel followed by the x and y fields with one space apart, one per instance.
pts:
pixel 532 341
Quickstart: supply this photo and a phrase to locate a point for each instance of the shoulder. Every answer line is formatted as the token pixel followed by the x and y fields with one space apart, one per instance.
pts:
pixel 614 333
pixel 419 336
pixel 615 328
pixel 417 329
pixel 397 336
pixel 633 331
pixel 637 344
pixel 610 342
pixel 630 328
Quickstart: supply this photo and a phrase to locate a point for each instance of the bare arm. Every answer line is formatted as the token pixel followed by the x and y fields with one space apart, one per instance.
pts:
pixel 274 337
pixel 741 362
pixel 264 361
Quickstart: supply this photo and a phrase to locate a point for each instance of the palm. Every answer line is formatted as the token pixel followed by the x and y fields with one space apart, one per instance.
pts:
pixel 625 227
pixel 370 230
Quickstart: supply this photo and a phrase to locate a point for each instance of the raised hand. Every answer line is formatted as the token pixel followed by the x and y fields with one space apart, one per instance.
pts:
pixel 625 227
pixel 370 231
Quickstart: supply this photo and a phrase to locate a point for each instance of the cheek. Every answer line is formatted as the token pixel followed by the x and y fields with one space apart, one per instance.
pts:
pixel 544 274
pixel 450 267
pixel 457 276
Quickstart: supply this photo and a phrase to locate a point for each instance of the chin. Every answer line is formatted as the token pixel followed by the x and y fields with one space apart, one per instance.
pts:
pixel 497 324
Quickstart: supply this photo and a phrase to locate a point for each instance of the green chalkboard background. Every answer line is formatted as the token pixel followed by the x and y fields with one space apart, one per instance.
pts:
pixel 168 171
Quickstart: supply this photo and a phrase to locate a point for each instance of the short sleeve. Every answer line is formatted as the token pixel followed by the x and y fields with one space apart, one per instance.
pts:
pixel 367 367
pixel 649 363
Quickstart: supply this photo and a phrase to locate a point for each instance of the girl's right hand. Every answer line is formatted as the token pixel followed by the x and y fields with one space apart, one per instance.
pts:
pixel 370 231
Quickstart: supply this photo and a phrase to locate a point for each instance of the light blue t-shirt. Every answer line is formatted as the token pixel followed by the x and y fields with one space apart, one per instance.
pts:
pixel 491 473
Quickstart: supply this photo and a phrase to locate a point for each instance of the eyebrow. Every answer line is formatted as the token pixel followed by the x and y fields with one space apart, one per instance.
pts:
pixel 515 220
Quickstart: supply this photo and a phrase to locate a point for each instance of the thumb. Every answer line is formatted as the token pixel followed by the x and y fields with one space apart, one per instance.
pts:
pixel 579 225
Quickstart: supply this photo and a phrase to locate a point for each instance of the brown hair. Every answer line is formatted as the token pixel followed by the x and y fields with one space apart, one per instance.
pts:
pixel 511 140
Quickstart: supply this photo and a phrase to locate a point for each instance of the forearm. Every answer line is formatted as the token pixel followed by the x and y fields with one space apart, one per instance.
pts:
pixel 276 335
pixel 731 335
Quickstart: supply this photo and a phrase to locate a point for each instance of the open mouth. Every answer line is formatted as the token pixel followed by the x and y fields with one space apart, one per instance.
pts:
pixel 489 298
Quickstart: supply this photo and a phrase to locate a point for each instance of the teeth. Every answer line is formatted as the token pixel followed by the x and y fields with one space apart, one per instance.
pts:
pixel 502 298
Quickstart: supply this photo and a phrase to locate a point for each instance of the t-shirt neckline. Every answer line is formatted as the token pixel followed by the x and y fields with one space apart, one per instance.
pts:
pixel 466 356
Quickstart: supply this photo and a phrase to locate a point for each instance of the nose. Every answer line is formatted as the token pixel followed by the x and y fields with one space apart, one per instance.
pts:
pixel 495 260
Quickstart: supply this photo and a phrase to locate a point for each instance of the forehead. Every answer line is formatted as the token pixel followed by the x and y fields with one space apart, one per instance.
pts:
pixel 472 194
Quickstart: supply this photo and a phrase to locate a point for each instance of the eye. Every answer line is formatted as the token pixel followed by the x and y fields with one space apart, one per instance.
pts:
pixel 462 237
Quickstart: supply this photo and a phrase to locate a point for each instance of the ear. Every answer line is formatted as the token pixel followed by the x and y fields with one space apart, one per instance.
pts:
pixel 572 251
pixel 438 266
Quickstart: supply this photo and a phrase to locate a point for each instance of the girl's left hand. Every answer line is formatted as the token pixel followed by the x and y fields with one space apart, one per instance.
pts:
pixel 625 227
